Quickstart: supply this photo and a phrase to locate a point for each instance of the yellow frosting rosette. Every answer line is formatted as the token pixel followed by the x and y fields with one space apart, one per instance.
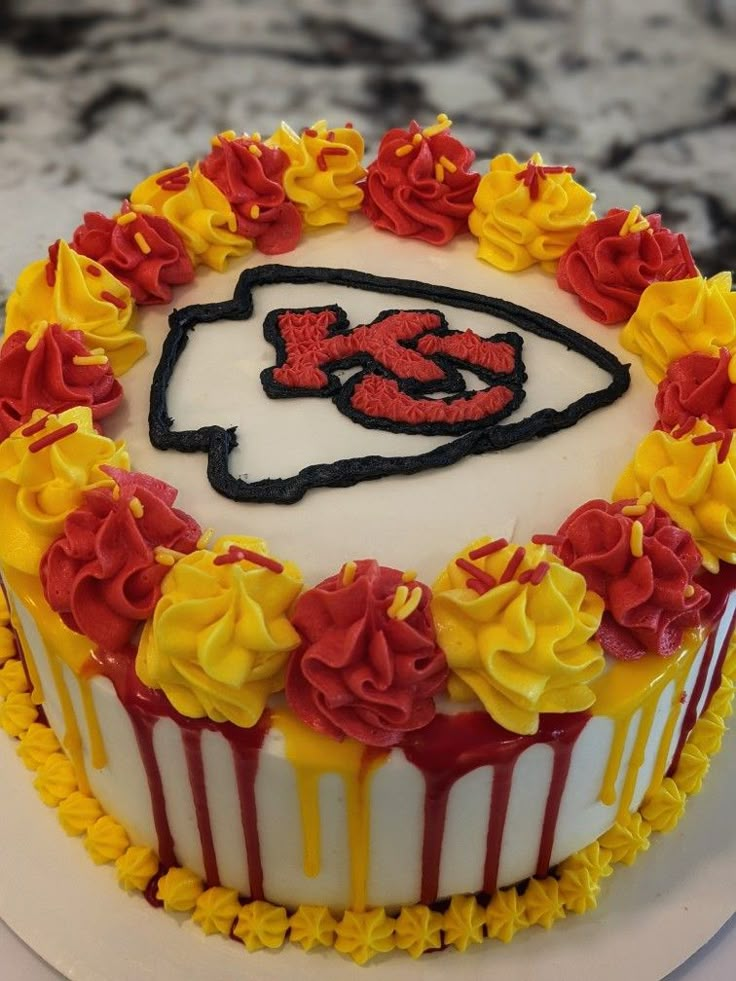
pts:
pixel 676 318
pixel 79 294
pixel 46 465
pixel 525 212
pixel 694 480
pixel 198 211
pixel 219 639
pixel 324 171
pixel 517 627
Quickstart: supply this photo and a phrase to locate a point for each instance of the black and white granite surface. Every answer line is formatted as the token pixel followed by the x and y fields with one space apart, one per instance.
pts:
pixel 639 94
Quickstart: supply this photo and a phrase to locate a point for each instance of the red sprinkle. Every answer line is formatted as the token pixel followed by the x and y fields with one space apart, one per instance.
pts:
pixel 115 300
pixel 310 132
pixel 489 549
pixel 547 539
pixel 173 175
pixel 476 573
pixel 177 185
pixel 684 428
pixel 348 125
pixel 94 271
pixel 512 565
pixel 532 174
pixel 539 573
pixel 52 264
pixel 235 554
pixel 334 151
pixel 36 426
pixel 54 437
pixel 704 438
pixel 477 586
pixel 725 446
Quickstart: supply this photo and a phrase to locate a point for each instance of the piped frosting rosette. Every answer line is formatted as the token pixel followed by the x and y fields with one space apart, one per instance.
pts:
pixel 526 213
pixel 219 639
pixel 368 665
pixel 693 479
pixel 518 629
pixel 45 468
pixel 197 210
pixel 324 173
pixel 419 185
pixel 53 369
pixel 698 386
pixel 614 259
pixel 677 318
pixel 78 294
pixel 642 565
pixel 103 574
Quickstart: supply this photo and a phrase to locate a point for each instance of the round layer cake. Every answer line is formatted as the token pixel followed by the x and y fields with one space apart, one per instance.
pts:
pixel 389 401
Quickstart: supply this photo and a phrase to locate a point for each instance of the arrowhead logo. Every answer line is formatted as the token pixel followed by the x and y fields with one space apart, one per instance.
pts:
pixel 409 370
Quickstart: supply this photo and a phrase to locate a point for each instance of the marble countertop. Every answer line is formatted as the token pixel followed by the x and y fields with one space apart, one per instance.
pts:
pixel 640 96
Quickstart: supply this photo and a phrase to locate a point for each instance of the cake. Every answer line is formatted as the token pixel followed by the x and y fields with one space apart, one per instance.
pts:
pixel 485 651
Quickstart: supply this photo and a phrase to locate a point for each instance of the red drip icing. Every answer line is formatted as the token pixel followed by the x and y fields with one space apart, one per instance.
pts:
pixel 143 728
pixel 452 746
pixel 195 765
pixel 562 751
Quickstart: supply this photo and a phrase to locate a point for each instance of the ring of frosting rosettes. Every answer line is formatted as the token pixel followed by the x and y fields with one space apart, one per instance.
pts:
pixel 366 653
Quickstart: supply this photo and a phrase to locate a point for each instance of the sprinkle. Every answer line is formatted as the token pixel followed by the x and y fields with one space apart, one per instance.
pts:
pixel 689 591
pixel 36 427
pixel 348 125
pixel 477 586
pixel 126 218
pixel 725 446
pixel 163 556
pixel 330 151
pixel 116 492
pixel 415 598
pixel 256 137
pixel 536 575
pixel 142 243
pixel 175 186
pixel 448 164
pixel 416 139
pixel 513 564
pixel 533 173
pixel 136 508
pixel 204 539
pixel 310 132
pixel 488 549
pixel 684 428
pixel 476 573
pixel 94 270
pixel 552 540
pixel 82 360
pixel 719 436
pixel 115 300
pixel 227 135
pixel 173 176
pixel 409 576
pixel 255 150
pixel 331 136
pixel 634 222
pixel 51 438
pixel 646 499
pixel 255 212
pixel 348 573
pixel 633 510
pixel 39 329
pixel 400 598
pixel 237 554
pixel 143 209
pixel 637 539
pixel 404 149
pixel 439 172
pixel 442 123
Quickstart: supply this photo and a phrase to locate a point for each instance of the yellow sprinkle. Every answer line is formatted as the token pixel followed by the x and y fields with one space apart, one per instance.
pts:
pixel 163 559
pixel 448 164
pixel 348 573
pixel 416 139
pixel 255 150
pixel 439 172
pixel 256 137
pixel 634 222
pixel 633 510
pixel 637 539
pixel 255 212
pixel 409 576
pixel 232 223
pixel 689 590
pixel 646 498
pixel 116 493
pixel 136 507
pixel 127 218
pixel 204 539
pixel 404 149
pixel 415 598
pixel 142 243
pixel 85 359
pixel 400 597
pixel 227 135
pixel 143 209
pixel 166 556
pixel 97 350
pixel 732 369
pixel 39 329
pixel 442 123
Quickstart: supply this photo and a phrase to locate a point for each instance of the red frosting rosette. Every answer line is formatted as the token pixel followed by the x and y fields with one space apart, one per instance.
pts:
pixel 250 174
pixel 642 564
pixel 419 184
pixel 102 575
pixel 368 665
pixel 614 259
pixel 140 249
pixel 697 386
pixel 53 371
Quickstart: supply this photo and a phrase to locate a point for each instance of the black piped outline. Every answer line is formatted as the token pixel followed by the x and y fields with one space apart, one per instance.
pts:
pixel 342 392
pixel 218 442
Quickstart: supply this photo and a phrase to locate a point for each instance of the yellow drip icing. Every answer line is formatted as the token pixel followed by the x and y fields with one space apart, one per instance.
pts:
pixel 72 741
pixel 314 756
pixel 625 689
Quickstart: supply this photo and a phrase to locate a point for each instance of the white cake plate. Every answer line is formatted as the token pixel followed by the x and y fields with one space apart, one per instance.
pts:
pixel 651 918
